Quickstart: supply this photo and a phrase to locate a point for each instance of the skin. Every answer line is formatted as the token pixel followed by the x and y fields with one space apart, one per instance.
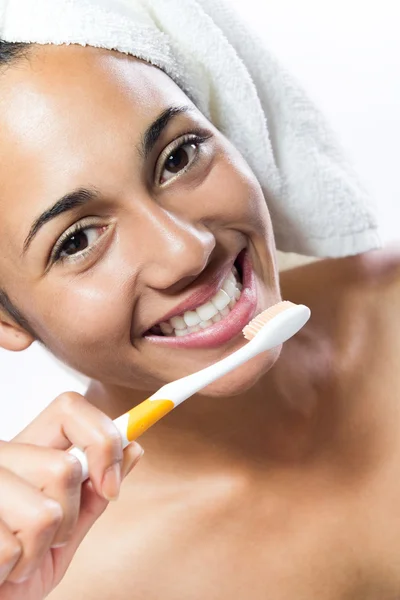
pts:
pixel 279 479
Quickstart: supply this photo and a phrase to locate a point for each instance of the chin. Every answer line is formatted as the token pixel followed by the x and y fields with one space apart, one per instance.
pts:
pixel 244 378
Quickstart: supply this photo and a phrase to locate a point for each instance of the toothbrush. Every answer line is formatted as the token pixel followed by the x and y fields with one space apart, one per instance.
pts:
pixel 269 329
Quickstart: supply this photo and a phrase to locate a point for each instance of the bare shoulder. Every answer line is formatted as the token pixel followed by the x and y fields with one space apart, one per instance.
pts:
pixel 374 271
pixel 354 300
pixel 381 267
pixel 377 277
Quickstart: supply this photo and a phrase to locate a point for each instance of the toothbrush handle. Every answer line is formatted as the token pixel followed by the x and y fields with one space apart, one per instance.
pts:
pixel 131 425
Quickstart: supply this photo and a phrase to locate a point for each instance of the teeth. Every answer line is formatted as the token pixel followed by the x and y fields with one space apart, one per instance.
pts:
pixel 204 324
pixel 178 322
pixel 206 311
pixel 211 312
pixel 221 300
pixel 191 318
pixel 180 332
pixel 229 287
pixel 166 328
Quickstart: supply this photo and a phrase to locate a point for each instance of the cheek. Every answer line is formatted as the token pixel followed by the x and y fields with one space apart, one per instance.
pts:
pixel 84 317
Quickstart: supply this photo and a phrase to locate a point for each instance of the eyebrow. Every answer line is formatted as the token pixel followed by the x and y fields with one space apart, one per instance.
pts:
pixel 154 131
pixel 82 196
pixel 68 202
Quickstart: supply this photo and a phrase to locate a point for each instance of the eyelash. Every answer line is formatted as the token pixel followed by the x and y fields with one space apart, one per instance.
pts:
pixel 197 137
pixel 69 234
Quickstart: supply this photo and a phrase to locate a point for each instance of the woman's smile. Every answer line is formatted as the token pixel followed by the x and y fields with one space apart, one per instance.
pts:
pixel 144 231
pixel 215 319
pixel 136 244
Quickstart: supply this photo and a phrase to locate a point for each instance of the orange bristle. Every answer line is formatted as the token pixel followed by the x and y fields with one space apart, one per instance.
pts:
pixel 251 330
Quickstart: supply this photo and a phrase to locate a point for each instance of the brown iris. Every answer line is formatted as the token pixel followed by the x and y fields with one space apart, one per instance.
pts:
pixel 178 160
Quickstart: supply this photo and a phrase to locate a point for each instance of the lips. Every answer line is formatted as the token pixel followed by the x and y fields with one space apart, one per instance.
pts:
pixel 202 295
pixel 224 330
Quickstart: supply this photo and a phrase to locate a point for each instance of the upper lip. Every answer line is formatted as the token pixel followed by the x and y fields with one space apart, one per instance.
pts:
pixel 202 294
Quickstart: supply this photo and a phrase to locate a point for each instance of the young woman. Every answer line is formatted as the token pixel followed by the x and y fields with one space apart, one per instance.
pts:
pixel 280 480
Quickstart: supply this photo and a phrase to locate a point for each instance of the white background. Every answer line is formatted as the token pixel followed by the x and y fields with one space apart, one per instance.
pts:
pixel 347 55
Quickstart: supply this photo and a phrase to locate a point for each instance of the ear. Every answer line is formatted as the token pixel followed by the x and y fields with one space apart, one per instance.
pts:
pixel 12 336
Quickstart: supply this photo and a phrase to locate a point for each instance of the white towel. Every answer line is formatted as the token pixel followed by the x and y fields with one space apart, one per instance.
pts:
pixel 317 206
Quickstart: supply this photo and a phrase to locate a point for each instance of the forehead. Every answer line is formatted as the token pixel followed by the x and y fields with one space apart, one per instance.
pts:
pixel 61 111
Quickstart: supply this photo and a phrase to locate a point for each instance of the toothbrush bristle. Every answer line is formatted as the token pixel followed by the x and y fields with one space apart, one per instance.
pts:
pixel 251 330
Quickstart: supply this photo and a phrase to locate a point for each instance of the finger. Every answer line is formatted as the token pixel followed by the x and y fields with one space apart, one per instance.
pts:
pixel 132 454
pixel 10 551
pixel 72 420
pixel 54 472
pixel 92 506
pixel 32 518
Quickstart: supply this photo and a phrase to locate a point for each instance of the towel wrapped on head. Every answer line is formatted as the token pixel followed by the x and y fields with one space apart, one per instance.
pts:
pixel 317 206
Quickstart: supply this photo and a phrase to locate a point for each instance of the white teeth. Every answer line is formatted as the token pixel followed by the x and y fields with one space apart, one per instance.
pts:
pixel 191 318
pixel 180 332
pixel 207 311
pixel 166 328
pixel 220 300
pixel 211 312
pixel 204 324
pixel 229 287
pixel 177 323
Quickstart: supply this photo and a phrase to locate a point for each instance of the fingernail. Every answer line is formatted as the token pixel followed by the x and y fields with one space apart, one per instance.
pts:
pixel 112 482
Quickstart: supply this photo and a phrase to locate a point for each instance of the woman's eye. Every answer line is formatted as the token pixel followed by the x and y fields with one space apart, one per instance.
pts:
pixel 78 242
pixel 178 160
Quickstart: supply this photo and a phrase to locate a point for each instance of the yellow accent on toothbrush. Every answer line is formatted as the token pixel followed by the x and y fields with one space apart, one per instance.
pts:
pixel 146 414
pixel 269 329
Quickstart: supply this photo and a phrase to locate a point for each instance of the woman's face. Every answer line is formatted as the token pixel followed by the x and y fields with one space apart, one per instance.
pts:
pixel 107 230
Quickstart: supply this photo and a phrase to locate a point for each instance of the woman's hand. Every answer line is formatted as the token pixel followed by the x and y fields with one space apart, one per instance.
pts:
pixel 45 511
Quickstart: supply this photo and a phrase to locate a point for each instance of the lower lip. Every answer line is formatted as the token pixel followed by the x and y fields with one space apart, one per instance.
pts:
pixel 226 329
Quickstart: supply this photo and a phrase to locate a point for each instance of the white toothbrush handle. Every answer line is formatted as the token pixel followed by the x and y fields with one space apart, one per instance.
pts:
pixel 135 422
pixel 282 327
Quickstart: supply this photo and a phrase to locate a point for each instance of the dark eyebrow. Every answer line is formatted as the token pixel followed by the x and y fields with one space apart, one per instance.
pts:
pixel 154 131
pixel 68 202
pixel 83 195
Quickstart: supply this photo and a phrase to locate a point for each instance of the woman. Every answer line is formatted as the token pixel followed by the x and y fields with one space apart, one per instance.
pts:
pixel 277 481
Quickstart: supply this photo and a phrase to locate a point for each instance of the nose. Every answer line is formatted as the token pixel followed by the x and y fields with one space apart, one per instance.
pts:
pixel 177 253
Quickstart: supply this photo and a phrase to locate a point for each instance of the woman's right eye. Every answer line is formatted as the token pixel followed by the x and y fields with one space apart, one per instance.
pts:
pixel 77 244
